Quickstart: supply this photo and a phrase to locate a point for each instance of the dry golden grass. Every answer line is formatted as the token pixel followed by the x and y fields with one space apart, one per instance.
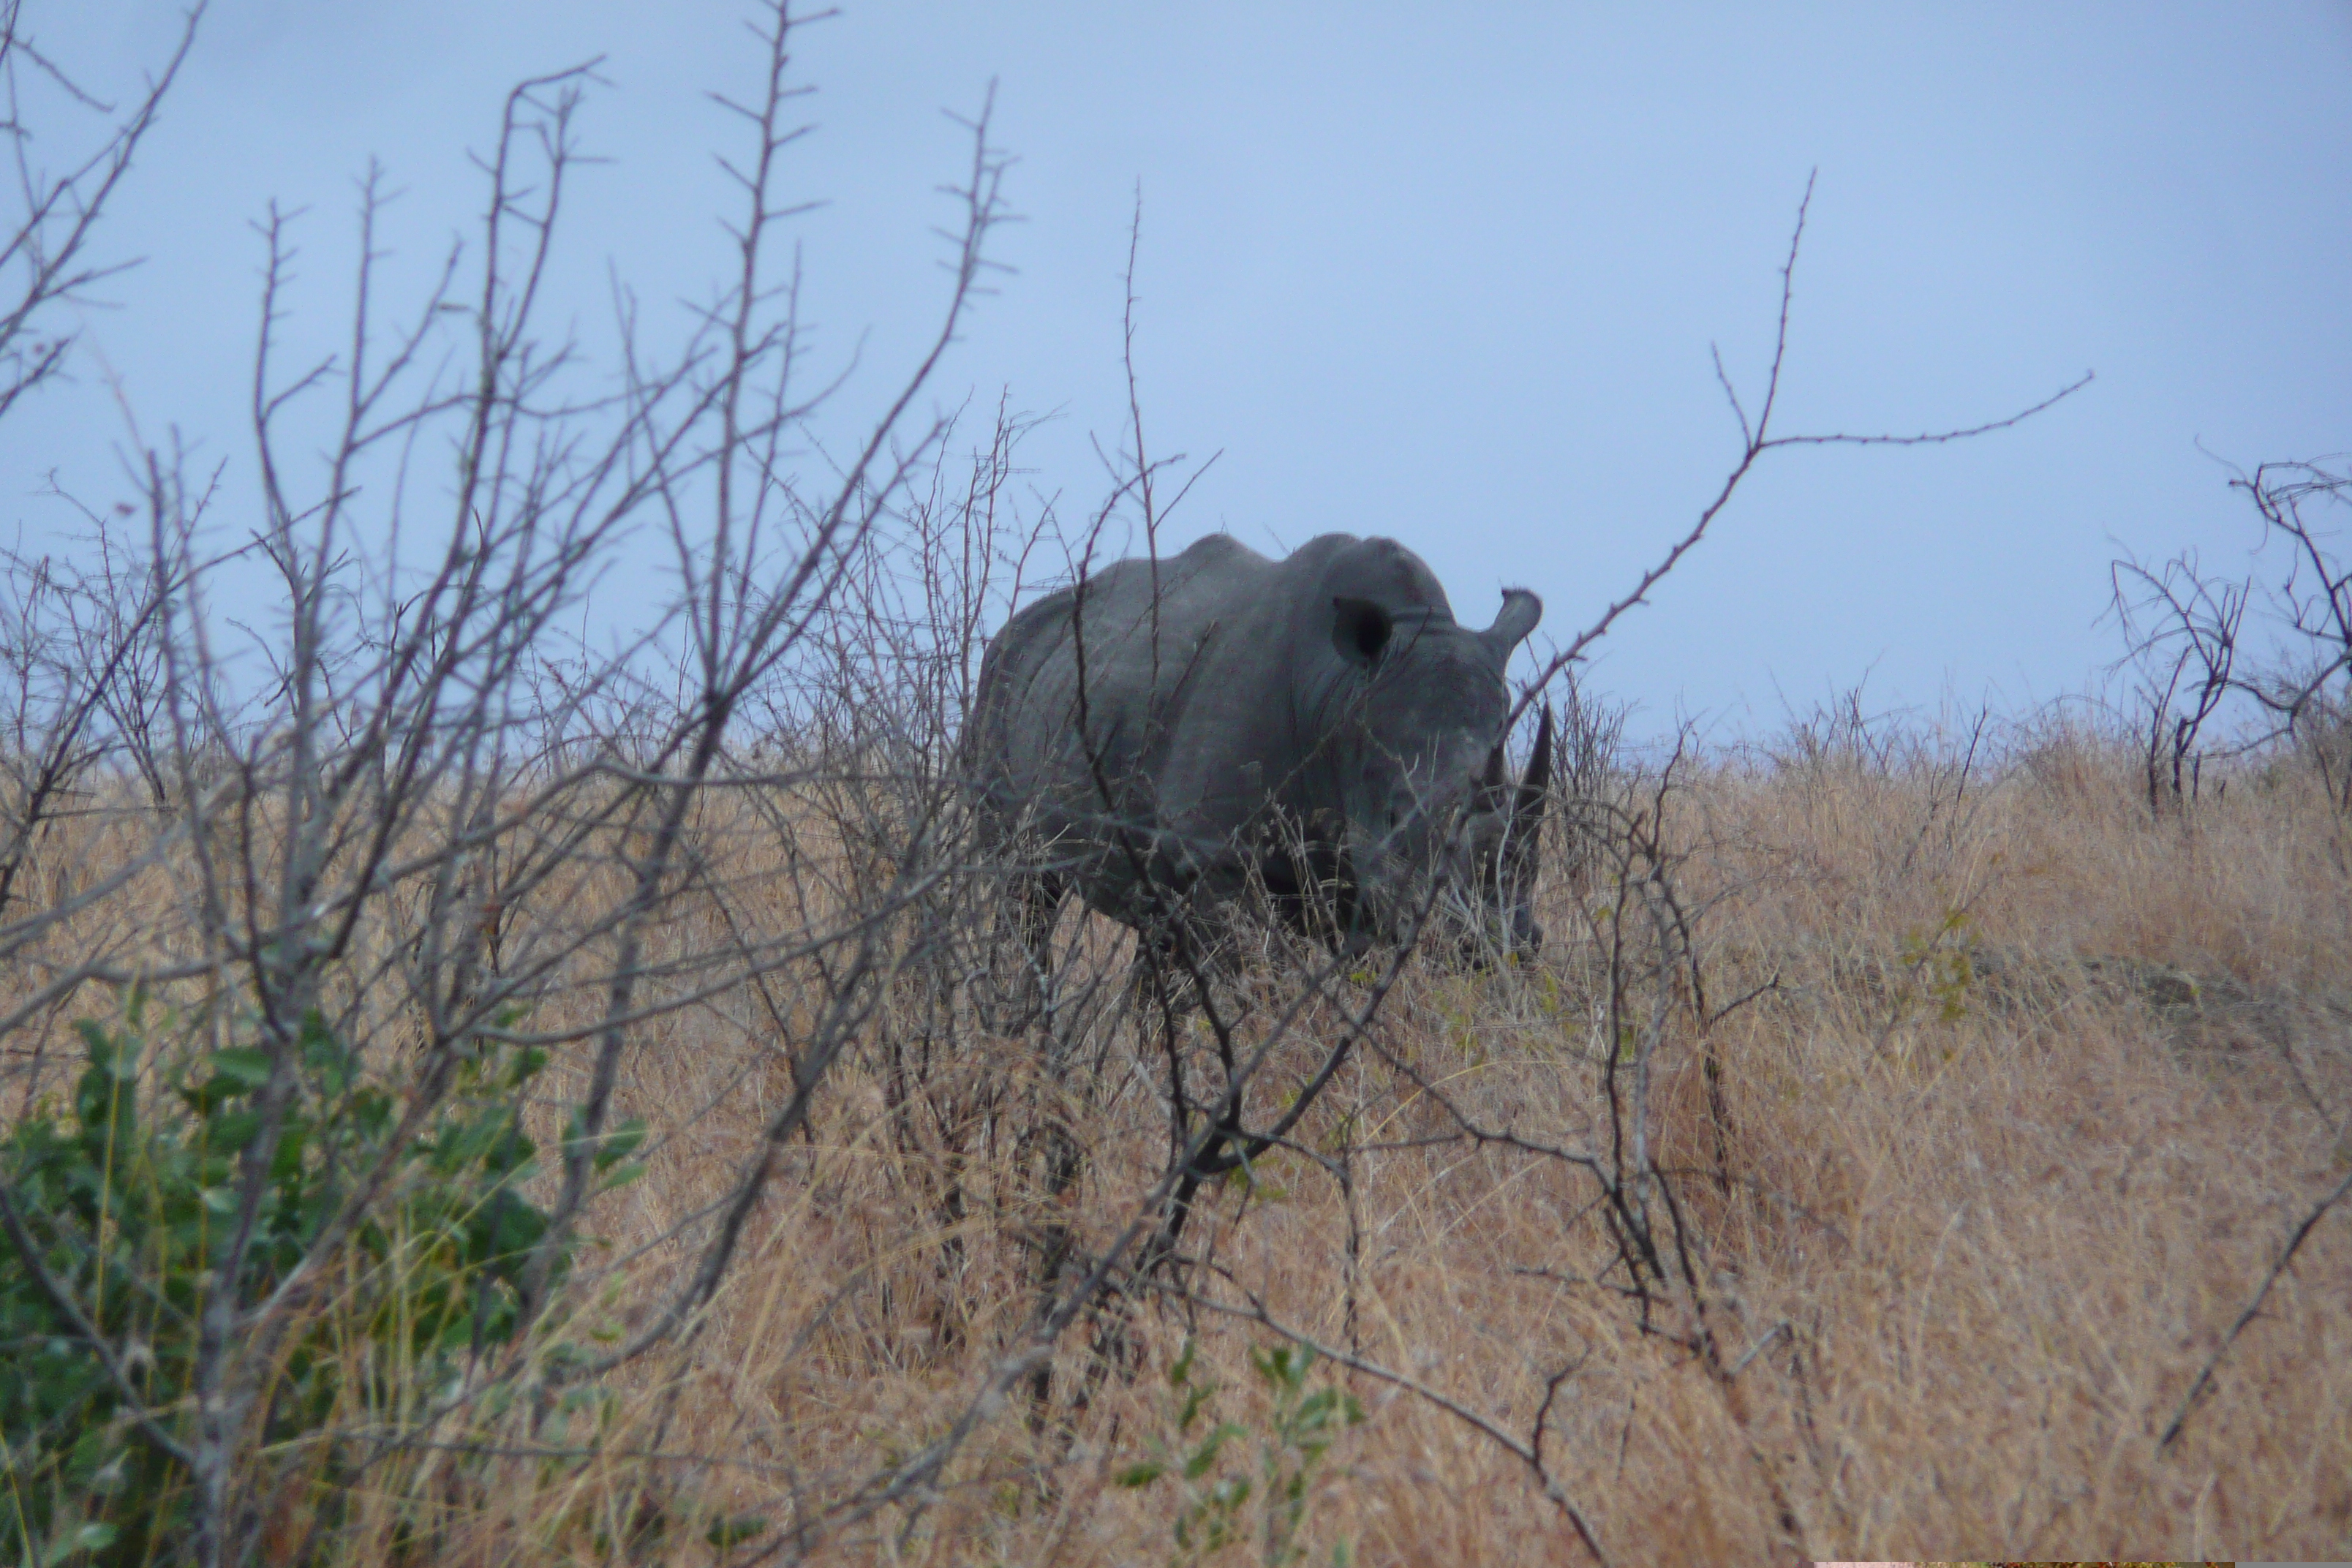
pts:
pixel 2041 1090
pixel 2010 1183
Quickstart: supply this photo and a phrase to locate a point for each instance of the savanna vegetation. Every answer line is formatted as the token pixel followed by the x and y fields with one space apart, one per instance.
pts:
pixel 476 1092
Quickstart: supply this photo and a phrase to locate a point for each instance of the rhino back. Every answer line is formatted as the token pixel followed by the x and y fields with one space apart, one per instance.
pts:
pixel 1141 672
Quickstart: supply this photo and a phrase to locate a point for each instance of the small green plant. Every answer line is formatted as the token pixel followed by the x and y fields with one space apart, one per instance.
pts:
pixel 1946 959
pixel 1213 1510
pixel 129 1201
pixel 1257 1178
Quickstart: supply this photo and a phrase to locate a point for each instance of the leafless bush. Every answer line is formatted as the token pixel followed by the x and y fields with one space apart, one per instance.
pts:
pixel 1590 774
pixel 425 827
pixel 2186 633
pixel 2309 694
pixel 1643 1011
pixel 46 259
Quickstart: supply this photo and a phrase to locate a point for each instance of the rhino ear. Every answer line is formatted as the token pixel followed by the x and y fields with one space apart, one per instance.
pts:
pixel 1359 630
pixel 1521 610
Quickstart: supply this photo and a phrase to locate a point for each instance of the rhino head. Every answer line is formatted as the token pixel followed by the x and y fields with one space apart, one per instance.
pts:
pixel 1433 827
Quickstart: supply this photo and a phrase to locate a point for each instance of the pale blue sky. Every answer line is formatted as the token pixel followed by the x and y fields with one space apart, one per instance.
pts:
pixel 1448 277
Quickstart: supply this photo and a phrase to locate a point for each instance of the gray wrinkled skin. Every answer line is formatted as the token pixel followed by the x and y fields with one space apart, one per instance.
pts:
pixel 1319 726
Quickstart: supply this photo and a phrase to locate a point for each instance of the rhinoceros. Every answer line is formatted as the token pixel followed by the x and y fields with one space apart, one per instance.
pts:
pixel 1167 735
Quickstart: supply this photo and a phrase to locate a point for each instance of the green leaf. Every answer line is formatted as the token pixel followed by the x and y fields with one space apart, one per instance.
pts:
pixel 1192 1403
pixel 741 1527
pixel 621 1142
pixel 91 1537
pixel 622 1177
pixel 227 1135
pixel 118 1056
pixel 1142 1475
pixel 246 1067
pixel 514 1226
pixel 329 1061
pixel 107 1104
pixel 1205 1454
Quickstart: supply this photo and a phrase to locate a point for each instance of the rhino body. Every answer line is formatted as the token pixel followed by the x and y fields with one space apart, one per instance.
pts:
pixel 1166 735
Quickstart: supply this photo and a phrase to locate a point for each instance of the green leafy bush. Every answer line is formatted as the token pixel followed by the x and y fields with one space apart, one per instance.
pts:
pixel 1214 1498
pixel 131 1203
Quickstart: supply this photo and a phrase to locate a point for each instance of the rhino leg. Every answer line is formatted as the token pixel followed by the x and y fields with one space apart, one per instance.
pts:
pixel 1049 1138
pixel 1021 958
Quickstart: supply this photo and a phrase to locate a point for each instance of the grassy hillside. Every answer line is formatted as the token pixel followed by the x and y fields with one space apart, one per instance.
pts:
pixel 2040 1091
pixel 2017 1094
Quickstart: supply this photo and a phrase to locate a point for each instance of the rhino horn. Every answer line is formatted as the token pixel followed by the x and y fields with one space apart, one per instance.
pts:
pixel 1527 811
pixel 1496 781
